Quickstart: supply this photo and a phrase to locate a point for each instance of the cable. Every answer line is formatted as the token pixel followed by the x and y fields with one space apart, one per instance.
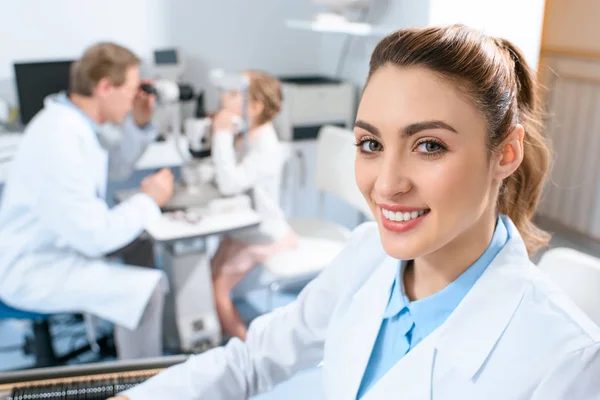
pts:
pixel 364 14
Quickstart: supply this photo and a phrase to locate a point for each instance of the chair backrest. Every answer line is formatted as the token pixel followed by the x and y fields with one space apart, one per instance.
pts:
pixel 335 166
pixel 578 274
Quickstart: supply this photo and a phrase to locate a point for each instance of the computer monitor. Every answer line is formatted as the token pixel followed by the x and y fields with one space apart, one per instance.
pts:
pixel 36 80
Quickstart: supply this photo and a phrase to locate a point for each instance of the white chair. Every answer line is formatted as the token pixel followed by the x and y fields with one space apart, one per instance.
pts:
pixel 319 240
pixel 578 274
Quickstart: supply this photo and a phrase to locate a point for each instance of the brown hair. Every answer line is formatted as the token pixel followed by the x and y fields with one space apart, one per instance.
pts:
pixel 496 78
pixel 102 60
pixel 266 89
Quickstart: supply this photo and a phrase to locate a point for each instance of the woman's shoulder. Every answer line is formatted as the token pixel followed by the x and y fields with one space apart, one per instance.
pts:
pixel 267 135
pixel 547 305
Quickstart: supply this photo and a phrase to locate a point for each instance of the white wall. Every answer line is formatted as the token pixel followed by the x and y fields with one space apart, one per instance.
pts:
pixel 253 36
pixel 516 20
pixel 60 29
pixel 395 14
pixel 523 27
pixel 206 31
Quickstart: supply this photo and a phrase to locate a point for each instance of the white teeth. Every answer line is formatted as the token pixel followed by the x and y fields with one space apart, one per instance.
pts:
pixel 401 216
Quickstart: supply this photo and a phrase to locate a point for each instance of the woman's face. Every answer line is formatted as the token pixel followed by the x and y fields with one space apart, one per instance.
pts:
pixel 421 161
pixel 231 101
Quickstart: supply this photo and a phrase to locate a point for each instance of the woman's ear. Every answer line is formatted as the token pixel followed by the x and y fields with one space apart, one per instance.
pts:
pixel 255 108
pixel 510 153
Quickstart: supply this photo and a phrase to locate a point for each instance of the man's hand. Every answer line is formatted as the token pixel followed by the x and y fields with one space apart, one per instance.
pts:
pixel 143 106
pixel 159 186
pixel 119 398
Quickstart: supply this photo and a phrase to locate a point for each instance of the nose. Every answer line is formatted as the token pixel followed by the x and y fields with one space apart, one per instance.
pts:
pixel 392 179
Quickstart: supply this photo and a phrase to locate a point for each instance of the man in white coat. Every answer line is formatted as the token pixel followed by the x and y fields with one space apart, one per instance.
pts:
pixel 56 228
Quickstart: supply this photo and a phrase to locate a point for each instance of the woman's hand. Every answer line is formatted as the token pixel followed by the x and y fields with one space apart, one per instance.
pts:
pixel 223 121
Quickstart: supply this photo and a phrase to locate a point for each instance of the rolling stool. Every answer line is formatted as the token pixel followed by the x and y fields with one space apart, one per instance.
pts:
pixel 41 346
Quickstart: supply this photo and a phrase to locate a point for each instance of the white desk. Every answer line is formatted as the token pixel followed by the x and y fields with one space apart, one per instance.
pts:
pixel 191 322
pixel 169 229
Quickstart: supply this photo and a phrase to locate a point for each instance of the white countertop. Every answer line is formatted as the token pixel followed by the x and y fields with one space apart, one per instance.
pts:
pixel 168 228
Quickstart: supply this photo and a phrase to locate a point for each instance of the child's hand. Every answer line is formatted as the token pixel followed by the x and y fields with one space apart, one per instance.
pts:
pixel 223 121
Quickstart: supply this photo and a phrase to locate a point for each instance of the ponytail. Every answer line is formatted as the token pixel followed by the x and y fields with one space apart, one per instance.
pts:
pixel 522 190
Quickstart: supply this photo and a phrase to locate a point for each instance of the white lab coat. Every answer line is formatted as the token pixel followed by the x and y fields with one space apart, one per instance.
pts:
pixel 259 167
pixel 514 336
pixel 55 225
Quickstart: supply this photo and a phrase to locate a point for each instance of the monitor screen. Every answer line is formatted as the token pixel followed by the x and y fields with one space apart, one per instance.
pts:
pixel 37 80
pixel 162 57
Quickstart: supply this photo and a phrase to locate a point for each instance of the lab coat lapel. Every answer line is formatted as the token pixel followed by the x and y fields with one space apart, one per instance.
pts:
pixel 360 327
pixel 410 378
pixel 471 332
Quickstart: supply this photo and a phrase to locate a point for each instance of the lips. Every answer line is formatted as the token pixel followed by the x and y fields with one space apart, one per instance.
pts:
pixel 397 218
pixel 400 216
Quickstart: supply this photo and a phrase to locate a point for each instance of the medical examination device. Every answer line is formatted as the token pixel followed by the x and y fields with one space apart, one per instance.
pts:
pixel 196 212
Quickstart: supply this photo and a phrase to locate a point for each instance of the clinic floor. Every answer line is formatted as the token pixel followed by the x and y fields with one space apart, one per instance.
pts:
pixel 305 386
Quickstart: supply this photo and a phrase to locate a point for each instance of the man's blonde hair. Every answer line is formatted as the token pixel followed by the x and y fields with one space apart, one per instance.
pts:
pixel 102 60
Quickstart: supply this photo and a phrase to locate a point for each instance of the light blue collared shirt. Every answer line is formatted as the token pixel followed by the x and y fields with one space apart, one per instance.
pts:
pixel 407 323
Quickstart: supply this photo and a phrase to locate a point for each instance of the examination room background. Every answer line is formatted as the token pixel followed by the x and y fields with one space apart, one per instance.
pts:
pixel 242 34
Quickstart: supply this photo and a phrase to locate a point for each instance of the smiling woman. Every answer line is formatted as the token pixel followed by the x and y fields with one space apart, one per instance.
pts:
pixel 436 299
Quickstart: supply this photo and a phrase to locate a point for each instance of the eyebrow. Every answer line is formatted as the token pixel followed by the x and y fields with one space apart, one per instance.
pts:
pixel 409 130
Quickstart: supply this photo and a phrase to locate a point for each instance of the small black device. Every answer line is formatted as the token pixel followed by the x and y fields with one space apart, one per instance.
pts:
pixel 167 91
pixel 148 88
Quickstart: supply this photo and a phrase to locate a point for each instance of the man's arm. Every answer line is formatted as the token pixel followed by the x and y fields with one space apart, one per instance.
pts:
pixel 133 143
pixel 137 133
pixel 70 206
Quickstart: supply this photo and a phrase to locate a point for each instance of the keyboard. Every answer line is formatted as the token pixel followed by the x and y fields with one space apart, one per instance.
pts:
pixel 88 381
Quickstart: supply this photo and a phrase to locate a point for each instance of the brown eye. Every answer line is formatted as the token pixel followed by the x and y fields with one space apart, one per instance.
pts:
pixel 370 146
pixel 430 146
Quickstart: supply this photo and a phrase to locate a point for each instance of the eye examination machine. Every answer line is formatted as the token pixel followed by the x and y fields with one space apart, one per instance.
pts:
pixel 196 212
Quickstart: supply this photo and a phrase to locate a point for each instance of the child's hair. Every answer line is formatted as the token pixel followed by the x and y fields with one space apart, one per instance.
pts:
pixel 266 89
pixel 494 75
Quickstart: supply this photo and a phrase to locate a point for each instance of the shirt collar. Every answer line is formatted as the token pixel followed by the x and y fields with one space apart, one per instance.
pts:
pixel 63 99
pixel 429 310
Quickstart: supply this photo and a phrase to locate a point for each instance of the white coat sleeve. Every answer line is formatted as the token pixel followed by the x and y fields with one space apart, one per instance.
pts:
pixel 232 177
pixel 277 346
pixel 124 155
pixel 71 207
pixel 577 377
